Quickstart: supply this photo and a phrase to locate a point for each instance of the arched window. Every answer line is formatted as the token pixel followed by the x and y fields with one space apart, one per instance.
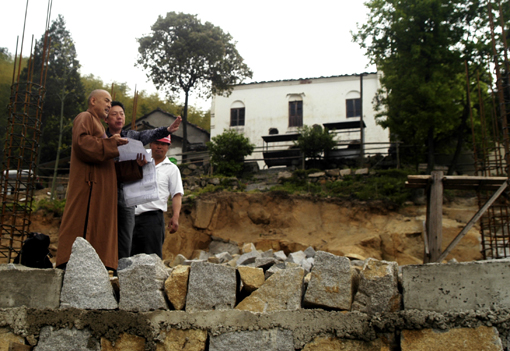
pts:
pixel 273 131
pixel 237 114
pixel 353 104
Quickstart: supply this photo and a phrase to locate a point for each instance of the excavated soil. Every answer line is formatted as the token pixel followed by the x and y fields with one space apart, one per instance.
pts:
pixel 278 221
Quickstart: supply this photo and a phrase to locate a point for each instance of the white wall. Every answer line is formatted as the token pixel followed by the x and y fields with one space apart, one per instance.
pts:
pixel 267 104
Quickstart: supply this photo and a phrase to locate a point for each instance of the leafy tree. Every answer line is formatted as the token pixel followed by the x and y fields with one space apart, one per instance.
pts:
pixel 182 54
pixel 420 46
pixel 227 152
pixel 65 93
pixel 314 141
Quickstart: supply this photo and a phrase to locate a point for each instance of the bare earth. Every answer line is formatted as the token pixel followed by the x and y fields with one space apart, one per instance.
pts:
pixel 283 222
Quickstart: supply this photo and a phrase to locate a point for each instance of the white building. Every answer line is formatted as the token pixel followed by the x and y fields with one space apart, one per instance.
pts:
pixel 281 107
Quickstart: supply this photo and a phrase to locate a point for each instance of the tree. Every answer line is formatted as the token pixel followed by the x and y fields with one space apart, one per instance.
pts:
pixel 421 46
pixel 227 152
pixel 65 94
pixel 182 54
pixel 314 141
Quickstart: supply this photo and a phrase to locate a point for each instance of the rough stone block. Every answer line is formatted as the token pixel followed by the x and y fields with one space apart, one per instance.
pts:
pixel 86 280
pixel 211 287
pixel 51 339
pixel 176 286
pixel 218 247
pixel 296 257
pixel 142 279
pixel 248 258
pixel 331 284
pixel 31 287
pixel 204 212
pixel 224 257
pixel 268 253
pixel 344 172
pixel 307 264
pixel 273 339
pixel 265 262
pixel 378 288
pixel 178 260
pixel 481 338
pixel 282 291
pixel 332 172
pixel 248 247
pixel 251 277
pixel 361 171
pixel 124 342
pixel 7 337
pixel 185 340
pixel 273 269
pixel 280 255
pixel 479 285
pixel 333 343
pixel 309 252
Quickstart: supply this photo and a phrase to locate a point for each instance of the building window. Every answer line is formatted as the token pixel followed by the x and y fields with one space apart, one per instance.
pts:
pixel 353 107
pixel 237 117
pixel 295 113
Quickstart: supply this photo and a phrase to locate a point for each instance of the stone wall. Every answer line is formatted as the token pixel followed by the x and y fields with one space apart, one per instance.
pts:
pixel 238 298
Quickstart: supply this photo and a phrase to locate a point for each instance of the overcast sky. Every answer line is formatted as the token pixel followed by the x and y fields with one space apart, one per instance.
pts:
pixel 278 39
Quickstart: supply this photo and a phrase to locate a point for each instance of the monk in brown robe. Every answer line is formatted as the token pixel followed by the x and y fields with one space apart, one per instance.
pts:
pixel 91 206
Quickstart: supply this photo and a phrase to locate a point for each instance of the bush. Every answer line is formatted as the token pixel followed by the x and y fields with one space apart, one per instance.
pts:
pixel 227 152
pixel 55 206
pixel 314 141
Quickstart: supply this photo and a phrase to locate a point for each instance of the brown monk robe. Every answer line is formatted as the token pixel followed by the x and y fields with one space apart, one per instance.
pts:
pixel 91 207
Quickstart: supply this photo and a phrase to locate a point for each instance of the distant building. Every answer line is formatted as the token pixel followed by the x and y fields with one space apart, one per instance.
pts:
pixel 282 107
pixel 197 137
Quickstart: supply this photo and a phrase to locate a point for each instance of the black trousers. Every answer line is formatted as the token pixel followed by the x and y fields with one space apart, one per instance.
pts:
pixel 149 233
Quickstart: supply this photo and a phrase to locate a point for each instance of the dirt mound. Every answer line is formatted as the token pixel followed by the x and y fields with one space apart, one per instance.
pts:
pixel 280 221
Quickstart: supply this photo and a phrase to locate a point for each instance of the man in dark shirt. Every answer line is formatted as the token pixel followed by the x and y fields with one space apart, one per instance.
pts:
pixel 125 214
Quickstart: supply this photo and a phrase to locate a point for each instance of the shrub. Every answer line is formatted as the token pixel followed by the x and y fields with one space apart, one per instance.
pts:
pixel 314 141
pixel 227 152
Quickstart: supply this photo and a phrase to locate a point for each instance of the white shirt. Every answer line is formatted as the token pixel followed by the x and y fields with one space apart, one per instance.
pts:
pixel 168 178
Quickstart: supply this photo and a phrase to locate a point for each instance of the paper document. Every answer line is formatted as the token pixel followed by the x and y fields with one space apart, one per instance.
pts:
pixel 143 190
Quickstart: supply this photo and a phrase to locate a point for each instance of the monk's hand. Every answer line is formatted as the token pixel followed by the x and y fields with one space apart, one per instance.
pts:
pixel 173 225
pixel 141 160
pixel 174 126
pixel 119 139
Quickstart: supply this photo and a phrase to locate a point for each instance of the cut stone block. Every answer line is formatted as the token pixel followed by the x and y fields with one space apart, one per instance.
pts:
pixel 333 343
pixel 30 287
pixel 176 286
pixel 280 255
pixel 273 339
pixel 86 280
pixel 251 277
pixel 51 339
pixel 479 285
pixel 124 342
pixel 204 212
pixel 7 337
pixel 481 338
pixel 378 288
pixel 211 287
pixel 185 340
pixel 331 284
pixel 282 291
pixel 142 279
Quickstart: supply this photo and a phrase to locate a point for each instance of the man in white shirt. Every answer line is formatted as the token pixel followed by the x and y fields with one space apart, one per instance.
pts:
pixel 149 232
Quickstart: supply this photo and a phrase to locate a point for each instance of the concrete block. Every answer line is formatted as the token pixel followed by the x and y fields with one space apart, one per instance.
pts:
pixel 142 279
pixel 211 287
pixel 479 285
pixel 378 288
pixel 481 338
pixel 51 339
pixel 282 291
pixel 331 284
pixel 86 280
pixel 273 339
pixel 185 340
pixel 30 287
pixel 176 286
pixel 124 342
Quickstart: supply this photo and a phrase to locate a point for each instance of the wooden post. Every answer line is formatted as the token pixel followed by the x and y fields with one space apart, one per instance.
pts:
pixel 434 217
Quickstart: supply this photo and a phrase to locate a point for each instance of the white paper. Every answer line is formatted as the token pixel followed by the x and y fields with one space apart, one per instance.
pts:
pixel 143 190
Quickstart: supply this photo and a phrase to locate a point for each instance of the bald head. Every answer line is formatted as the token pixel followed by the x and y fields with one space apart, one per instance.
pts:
pixel 100 102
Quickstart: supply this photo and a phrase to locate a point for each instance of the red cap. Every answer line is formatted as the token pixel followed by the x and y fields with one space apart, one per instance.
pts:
pixel 166 139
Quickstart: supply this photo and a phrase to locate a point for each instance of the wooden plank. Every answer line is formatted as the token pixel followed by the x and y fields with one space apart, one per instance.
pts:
pixel 434 217
pixel 470 224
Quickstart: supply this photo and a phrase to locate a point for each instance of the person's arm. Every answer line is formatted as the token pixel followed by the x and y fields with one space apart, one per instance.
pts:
pixel 148 136
pixel 173 225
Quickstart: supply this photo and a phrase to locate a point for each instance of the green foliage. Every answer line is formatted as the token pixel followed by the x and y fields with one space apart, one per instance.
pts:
pixel 314 141
pixel 55 206
pixel 227 152
pixel 182 54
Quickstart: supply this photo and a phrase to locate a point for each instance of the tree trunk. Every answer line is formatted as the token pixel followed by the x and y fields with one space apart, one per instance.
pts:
pixel 460 141
pixel 185 127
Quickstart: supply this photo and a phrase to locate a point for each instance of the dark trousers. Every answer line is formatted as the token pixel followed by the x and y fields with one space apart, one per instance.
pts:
pixel 149 233
pixel 125 224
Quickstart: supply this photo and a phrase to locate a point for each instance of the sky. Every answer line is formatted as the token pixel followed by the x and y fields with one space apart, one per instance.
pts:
pixel 278 39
